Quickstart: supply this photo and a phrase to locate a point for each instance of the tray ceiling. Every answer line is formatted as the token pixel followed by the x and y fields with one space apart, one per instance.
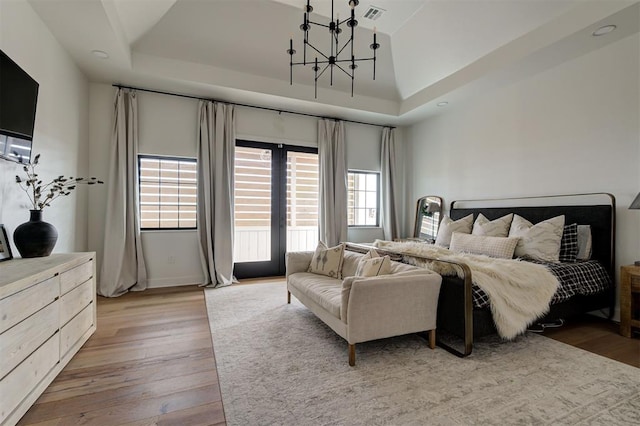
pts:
pixel 236 49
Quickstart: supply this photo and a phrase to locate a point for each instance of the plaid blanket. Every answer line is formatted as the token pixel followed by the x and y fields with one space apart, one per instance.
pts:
pixel 584 278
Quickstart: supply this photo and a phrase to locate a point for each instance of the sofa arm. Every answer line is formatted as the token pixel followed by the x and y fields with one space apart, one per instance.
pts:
pixel 297 261
pixel 347 284
pixel 390 305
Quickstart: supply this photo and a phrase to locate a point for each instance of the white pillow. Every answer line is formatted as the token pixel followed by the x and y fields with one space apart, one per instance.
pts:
pixel 540 241
pixel 448 227
pixel 369 255
pixel 495 228
pixel 499 247
pixel 584 242
pixel 327 261
pixel 372 265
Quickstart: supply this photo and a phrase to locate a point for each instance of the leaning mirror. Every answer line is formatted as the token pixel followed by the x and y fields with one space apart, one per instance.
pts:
pixel 428 216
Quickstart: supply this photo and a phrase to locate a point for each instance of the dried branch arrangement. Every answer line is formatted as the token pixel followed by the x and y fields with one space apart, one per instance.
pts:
pixel 42 194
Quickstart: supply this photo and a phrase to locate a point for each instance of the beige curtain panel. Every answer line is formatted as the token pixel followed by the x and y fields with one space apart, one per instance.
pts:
pixel 216 155
pixel 333 182
pixel 123 266
pixel 389 215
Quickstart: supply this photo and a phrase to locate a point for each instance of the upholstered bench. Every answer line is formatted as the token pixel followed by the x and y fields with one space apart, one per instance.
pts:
pixel 361 308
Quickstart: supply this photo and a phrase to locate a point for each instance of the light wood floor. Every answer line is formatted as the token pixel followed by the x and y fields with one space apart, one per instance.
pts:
pixel 151 362
pixel 598 336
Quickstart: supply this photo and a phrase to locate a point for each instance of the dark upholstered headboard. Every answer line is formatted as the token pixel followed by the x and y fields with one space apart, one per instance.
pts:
pixel 601 217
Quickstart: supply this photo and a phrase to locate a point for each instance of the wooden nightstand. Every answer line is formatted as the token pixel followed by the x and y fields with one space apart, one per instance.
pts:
pixel 629 299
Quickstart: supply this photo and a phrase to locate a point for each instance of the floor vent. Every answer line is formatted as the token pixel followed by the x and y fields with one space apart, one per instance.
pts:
pixel 373 13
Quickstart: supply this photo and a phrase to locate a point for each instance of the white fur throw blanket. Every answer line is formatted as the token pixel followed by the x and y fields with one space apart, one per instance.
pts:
pixel 519 292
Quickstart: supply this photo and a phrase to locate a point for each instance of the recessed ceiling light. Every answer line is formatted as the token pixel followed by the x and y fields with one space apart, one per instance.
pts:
pixel 100 54
pixel 441 104
pixel 603 30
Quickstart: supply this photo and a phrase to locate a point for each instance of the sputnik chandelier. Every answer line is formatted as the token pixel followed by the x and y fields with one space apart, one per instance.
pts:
pixel 332 59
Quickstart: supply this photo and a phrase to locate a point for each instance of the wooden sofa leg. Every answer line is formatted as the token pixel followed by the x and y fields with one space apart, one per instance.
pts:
pixel 432 338
pixel 288 297
pixel 352 355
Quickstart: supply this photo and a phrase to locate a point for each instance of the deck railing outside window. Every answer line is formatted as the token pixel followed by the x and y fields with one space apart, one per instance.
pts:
pixel 253 183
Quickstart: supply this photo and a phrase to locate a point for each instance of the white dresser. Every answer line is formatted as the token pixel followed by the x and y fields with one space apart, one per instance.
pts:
pixel 47 312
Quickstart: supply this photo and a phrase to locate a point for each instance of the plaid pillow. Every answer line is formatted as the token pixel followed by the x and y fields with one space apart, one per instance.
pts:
pixel 569 244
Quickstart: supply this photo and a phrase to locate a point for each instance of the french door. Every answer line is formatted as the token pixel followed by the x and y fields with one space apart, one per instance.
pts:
pixel 276 206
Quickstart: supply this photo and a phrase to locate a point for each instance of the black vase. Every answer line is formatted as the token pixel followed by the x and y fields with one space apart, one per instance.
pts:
pixel 35 238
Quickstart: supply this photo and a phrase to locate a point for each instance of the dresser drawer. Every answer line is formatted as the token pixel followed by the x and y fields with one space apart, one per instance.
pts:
pixel 76 276
pixel 75 329
pixel 21 340
pixel 74 301
pixel 16 385
pixel 20 305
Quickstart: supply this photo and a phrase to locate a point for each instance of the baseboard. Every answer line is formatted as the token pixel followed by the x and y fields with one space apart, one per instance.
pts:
pixel 175 281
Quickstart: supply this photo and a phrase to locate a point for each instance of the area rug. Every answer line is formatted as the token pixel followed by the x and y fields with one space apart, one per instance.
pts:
pixel 279 365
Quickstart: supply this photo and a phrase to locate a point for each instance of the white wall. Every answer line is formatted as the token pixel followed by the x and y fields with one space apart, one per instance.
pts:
pixel 61 126
pixel 167 126
pixel 572 129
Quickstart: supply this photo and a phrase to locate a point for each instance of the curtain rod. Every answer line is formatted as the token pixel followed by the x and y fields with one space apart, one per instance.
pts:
pixel 180 95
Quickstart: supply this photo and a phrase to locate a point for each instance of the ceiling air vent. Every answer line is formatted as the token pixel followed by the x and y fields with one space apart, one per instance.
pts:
pixel 373 13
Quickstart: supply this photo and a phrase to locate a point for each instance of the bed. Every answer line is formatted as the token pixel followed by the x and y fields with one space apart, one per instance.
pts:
pixel 585 286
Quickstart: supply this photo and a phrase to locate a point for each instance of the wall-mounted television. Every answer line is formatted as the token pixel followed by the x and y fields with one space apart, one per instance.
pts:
pixel 18 98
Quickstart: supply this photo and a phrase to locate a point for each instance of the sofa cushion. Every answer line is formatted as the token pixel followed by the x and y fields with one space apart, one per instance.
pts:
pixel 372 265
pixel 350 263
pixel 397 267
pixel 352 258
pixel 327 260
pixel 324 290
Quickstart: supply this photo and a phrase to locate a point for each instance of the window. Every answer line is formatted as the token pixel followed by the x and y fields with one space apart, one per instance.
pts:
pixel 168 192
pixel 362 203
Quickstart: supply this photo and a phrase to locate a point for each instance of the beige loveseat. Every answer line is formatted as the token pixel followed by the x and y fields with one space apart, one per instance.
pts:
pixel 360 309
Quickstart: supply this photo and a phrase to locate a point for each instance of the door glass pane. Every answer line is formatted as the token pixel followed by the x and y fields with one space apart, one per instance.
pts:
pixel 302 201
pixel 252 242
